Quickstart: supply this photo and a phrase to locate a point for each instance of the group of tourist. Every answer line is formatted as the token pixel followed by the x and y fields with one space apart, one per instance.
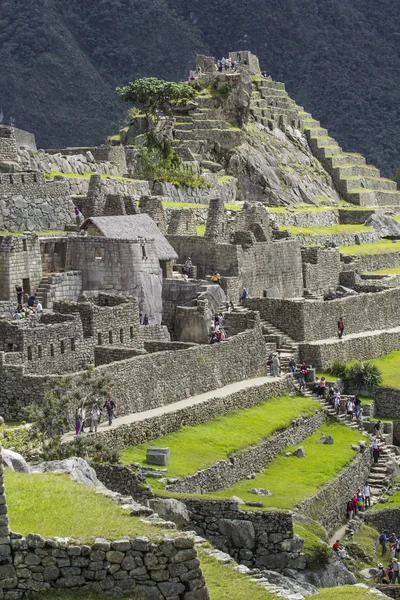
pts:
pixel 274 364
pixel 218 333
pixel 226 64
pixel 360 500
pixel 392 573
pixel 32 307
pixel 95 416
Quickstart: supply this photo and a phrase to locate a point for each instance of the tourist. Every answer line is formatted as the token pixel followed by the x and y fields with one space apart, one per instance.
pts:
pixel 367 495
pixel 357 405
pixel 243 296
pixel 187 266
pixel 231 306
pixel 277 365
pixel 340 327
pixel 270 364
pixel 354 501
pixel 82 417
pixel 145 320
pixel 396 571
pixel 215 277
pixel 315 388
pixel 397 547
pixel 360 418
pixel 213 338
pixel 342 553
pixel 300 380
pixel 375 451
pixel 382 541
pixel 39 307
pixel 349 509
pixel 30 300
pixel 322 387
pixel 360 501
pixel 19 292
pixel 378 430
pixel 292 365
pixel 78 422
pixel 110 406
pixel 381 576
pixel 336 546
pixel 390 572
pixel 95 415
pixel 350 408
pixel 336 402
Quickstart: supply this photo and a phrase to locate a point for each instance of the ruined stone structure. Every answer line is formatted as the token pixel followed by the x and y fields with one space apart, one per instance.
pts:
pixel 20 262
pixel 152 206
pixel 182 222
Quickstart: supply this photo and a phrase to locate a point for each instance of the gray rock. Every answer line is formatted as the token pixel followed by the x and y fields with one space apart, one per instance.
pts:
pixel 383 225
pixel 326 439
pixel 259 492
pixel 299 452
pixel 335 573
pixel 78 469
pixel 237 499
pixel 15 461
pixel 220 556
pixel 241 533
pixel 251 503
pixel 171 509
pixel 289 585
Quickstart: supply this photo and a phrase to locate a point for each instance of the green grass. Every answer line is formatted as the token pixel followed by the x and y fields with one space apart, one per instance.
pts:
pixel 223 436
pixel 224 583
pixel 183 205
pixel 381 247
pixel 87 176
pixel 335 229
pixel 328 376
pixel 389 364
pixel 364 548
pixel 52 505
pixel 200 229
pixel 45 232
pixel 345 592
pixel 77 595
pixel 224 178
pixel 392 271
pixel 314 535
pixel 304 476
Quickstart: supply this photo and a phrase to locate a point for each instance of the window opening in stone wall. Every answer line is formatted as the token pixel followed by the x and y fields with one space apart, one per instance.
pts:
pixel 29 352
pixel 144 255
pixel 62 346
pixel 24 246
pixel 22 178
pixel 57 248
pixel 110 337
pixel 10 347
pixel 51 349
pixel 99 339
pixel 46 249
pixel 121 336
pixel 99 253
pixel 187 225
pixel 72 343
pixel 131 333
pixel 39 351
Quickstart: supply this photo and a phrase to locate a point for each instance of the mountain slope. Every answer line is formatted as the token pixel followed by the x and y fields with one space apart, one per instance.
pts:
pixel 60 61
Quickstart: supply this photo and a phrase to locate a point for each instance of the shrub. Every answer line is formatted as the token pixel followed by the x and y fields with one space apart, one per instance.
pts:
pixel 83 447
pixel 337 367
pixel 220 92
pixel 364 375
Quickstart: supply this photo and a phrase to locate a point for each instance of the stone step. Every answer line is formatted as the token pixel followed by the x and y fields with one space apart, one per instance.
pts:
pixel 345 159
pixel 355 170
pixel 315 131
pixel 322 141
pixel 347 184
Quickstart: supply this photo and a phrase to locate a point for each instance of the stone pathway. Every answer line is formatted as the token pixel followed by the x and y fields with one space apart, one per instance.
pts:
pixel 187 402
pixel 351 336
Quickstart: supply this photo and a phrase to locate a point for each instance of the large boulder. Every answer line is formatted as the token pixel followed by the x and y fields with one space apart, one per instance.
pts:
pixel 335 573
pixel 78 469
pixel 171 510
pixel 240 533
pixel 15 461
pixel 383 225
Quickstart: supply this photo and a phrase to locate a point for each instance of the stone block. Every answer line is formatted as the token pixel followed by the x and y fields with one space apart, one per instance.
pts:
pixel 158 456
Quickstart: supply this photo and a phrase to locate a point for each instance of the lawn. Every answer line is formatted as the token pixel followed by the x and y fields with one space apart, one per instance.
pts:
pixel 346 592
pixel 193 448
pixel 87 176
pixel 392 271
pixel 335 229
pixel 200 229
pixel 292 479
pixel 52 505
pixel 389 365
pixel 381 247
pixel 45 232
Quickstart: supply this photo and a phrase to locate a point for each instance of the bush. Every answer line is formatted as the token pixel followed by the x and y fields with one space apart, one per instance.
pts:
pixel 24 440
pixel 83 447
pixel 315 546
pixel 220 92
pixel 337 367
pixel 364 375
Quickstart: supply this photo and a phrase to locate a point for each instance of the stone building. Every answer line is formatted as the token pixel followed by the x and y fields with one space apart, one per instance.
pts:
pixel 20 262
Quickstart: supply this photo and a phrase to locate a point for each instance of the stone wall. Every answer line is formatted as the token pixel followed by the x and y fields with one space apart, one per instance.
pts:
pixel 259 267
pixel 262 539
pixel 321 269
pixel 216 405
pixel 152 380
pixel 387 402
pixel 360 347
pixel 103 355
pixel 308 320
pixel 123 480
pixel 339 239
pixel 62 286
pixel 8 144
pixel 355 217
pixel 20 262
pixel 225 473
pixel 307 219
pixel 371 262
pixel 154 570
pixel 162 345
pixel 226 190
pixel 328 506
pixel 387 519
pixel 29 203
pixel 123 187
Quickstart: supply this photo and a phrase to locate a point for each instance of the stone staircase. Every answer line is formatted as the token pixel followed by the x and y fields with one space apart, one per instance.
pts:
pixel 356 181
pixel 271 105
pixel 287 347
pixel 380 476
pixel 42 292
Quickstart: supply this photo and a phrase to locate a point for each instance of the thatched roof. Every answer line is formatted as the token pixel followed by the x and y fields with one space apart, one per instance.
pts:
pixel 133 227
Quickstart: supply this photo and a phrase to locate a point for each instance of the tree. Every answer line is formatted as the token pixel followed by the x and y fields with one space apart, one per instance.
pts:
pixel 152 95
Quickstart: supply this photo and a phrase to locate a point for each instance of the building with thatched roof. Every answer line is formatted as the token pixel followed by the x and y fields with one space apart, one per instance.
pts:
pixel 126 255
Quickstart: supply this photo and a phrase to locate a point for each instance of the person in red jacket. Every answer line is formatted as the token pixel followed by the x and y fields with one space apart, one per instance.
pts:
pixel 336 546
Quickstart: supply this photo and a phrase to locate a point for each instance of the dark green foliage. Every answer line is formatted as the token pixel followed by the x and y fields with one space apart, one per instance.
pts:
pixel 337 367
pixel 84 447
pixel 61 61
pixel 152 95
pixel 364 375
pixel 220 92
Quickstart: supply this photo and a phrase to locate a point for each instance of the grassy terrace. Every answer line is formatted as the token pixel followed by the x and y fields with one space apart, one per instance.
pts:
pixel 336 229
pixel 47 232
pixel 393 271
pixel 306 475
pixel 389 366
pixel 223 436
pixel 87 176
pixel 52 505
pixel 381 247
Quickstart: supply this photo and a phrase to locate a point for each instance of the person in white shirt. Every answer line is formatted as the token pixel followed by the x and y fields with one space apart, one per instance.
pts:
pixel 367 495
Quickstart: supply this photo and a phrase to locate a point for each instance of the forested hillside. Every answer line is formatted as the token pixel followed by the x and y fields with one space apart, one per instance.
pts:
pixel 60 61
